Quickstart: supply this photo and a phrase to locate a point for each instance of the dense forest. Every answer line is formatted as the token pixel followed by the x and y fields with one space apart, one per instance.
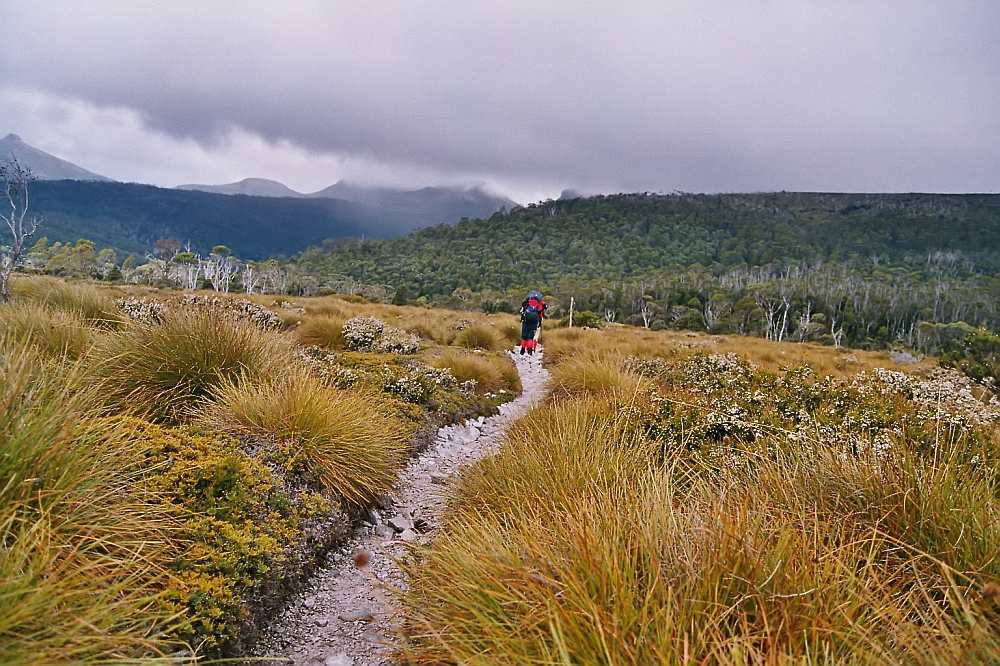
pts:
pixel 623 235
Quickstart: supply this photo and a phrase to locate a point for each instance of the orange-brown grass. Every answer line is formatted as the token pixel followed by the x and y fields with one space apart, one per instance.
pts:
pixel 346 438
pixel 322 331
pixel 627 340
pixel 591 373
pixel 575 544
pixel 479 336
pixel 84 549
pixel 161 369
pixel 94 305
pixel 491 372
pixel 52 332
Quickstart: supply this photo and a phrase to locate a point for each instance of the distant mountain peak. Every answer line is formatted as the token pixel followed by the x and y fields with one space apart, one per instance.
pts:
pixel 43 165
pixel 255 187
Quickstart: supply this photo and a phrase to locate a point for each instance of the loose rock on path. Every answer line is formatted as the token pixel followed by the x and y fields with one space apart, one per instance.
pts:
pixel 346 616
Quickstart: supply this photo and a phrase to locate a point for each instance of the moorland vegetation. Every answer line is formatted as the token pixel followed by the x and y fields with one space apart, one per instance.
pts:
pixel 174 464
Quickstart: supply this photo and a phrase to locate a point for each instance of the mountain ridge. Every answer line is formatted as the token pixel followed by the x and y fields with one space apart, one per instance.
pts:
pixel 43 165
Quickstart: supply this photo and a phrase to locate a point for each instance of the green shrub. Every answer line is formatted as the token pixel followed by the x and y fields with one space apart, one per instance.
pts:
pixel 238 523
pixel 976 353
pixel 584 319
pixel 161 369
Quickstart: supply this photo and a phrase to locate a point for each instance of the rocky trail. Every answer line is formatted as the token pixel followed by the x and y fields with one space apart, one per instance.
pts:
pixel 346 616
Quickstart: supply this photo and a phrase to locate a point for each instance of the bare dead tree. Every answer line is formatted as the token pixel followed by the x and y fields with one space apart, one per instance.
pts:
pixel 16 178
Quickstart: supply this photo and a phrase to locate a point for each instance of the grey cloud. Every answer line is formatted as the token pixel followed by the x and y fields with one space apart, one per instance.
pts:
pixel 701 96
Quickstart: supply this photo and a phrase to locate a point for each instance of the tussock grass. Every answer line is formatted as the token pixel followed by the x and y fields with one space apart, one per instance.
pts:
pixel 82 546
pixel 326 308
pixel 94 306
pixel 490 372
pixel 289 319
pixel 592 373
pixel 438 329
pixel 160 369
pixel 322 331
pixel 346 439
pixel 510 333
pixel 53 333
pixel 479 336
pixel 574 546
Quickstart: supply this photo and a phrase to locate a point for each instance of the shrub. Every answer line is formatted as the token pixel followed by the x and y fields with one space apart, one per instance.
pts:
pixel 94 306
pixel 478 336
pixel 83 546
pixel 53 333
pixel 160 369
pixel 142 309
pixel 236 308
pixel 322 332
pixel 976 353
pixel 240 520
pixel 369 334
pixel 344 438
pixel 584 319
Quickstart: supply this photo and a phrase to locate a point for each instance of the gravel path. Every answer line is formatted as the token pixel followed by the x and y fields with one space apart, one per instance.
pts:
pixel 346 616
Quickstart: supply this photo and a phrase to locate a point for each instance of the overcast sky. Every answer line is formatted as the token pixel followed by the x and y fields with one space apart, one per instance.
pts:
pixel 528 97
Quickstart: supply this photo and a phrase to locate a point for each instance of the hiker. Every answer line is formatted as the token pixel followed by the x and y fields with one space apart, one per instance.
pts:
pixel 532 313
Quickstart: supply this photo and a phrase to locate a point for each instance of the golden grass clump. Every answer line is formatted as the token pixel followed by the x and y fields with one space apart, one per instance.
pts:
pixel 479 336
pixel 510 333
pixel 83 546
pixel 161 369
pixel 593 374
pixel 94 306
pixel 346 439
pixel 53 333
pixel 324 331
pixel 491 372
pixel 437 329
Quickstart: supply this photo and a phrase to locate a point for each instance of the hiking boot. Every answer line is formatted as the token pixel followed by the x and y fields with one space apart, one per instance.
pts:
pixel 522 351
pixel 531 351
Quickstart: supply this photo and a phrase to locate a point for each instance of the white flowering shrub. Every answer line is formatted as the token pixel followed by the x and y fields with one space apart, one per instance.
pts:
pixel 361 333
pixel 368 334
pixel 420 383
pixel 713 400
pixel 142 309
pixel 237 308
pixel 326 365
pixel 396 341
pixel 647 366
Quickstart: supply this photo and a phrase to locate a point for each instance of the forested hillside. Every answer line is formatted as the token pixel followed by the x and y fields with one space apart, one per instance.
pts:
pixel 130 217
pixel 864 269
pixel 622 235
